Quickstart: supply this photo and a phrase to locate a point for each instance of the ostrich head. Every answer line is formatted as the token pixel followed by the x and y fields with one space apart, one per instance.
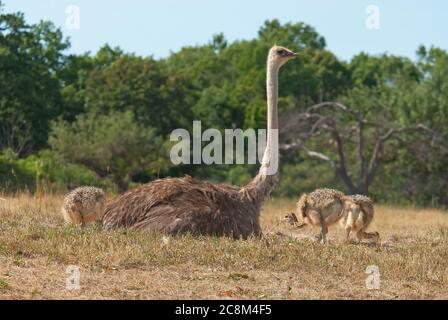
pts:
pixel 279 55
pixel 291 218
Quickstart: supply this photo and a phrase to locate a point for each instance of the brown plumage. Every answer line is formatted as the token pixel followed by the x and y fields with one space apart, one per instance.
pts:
pixel 83 205
pixel 358 214
pixel 179 205
pixel 322 207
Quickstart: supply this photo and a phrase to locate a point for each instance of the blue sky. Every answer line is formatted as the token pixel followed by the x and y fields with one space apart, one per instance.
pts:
pixel 156 27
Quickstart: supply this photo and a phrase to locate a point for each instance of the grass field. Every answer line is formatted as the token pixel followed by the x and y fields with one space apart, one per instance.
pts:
pixel 36 248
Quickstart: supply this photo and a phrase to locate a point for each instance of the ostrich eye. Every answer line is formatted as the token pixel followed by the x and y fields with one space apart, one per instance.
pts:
pixel 281 52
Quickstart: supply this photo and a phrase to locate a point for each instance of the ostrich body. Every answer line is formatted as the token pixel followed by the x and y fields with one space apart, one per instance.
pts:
pixel 83 205
pixel 180 205
pixel 322 207
pixel 358 214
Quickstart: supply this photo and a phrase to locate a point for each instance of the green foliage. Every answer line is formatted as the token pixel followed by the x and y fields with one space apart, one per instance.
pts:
pixel 214 109
pixel 111 145
pixel 372 71
pixel 305 177
pixel 30 59
pixel 134 84
pixel 44 171
pixel 13 175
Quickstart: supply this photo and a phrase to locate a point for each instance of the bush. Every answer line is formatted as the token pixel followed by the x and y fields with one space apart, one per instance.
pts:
pixel 114 146
pixel 44 172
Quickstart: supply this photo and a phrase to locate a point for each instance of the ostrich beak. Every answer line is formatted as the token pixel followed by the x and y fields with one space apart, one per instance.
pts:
pixel 290 55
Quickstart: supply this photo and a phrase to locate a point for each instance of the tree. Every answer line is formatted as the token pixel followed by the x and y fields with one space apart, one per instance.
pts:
pixel 111 145
pixel 30 58
pixel 139 85
pixel 341 129
pixel 372 71
pixel 76 71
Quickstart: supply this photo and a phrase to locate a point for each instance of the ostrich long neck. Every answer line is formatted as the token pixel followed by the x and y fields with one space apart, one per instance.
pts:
pixel 261 186
pixel 272 126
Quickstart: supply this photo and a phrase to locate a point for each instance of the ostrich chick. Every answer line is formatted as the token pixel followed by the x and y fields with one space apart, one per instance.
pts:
pixel 291 219
pixel 322 207
pixel 358 214
pixel 84 205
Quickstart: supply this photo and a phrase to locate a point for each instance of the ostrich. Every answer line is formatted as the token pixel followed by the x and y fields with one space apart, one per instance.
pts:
pixel 83 205
pixel 181 205
pixel 322 207
pixel 358 214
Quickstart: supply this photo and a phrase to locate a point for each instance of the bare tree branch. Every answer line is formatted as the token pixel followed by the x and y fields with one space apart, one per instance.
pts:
pixel 306 125
pixel 360 151
pixel 312 154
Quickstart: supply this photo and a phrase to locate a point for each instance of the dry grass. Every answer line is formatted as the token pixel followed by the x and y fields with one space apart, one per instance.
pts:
pixel 36 247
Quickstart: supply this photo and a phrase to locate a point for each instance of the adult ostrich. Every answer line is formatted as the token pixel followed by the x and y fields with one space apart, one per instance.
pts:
pixel 180 205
